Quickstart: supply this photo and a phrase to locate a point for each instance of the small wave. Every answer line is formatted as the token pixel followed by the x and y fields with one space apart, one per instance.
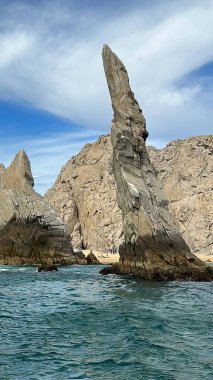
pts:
pixel 12 269
pixel 77 324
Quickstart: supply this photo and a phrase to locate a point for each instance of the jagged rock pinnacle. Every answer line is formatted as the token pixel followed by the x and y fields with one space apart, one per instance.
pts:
pixel 124 104
pixel 21 164
pixel 30 229
pixel 153 247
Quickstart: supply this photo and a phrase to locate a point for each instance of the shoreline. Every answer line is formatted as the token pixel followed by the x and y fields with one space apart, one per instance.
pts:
pixel 104 257
pixel 206 258
pixel 107 258
pixel 112 258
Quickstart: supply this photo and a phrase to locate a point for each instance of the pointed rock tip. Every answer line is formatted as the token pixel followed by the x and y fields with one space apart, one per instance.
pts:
pixel 107 51
pixel 106 47
pixel 22 163
pixel 22 159
pixel 22 154
pixel 110 59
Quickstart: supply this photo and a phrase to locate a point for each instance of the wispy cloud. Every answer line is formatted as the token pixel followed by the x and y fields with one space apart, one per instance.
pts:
pixel 47 154
pixel 50 58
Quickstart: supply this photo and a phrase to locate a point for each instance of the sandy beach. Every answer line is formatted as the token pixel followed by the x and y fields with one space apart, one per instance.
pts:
pixel 110 258
pixel 103 257
pixel 206 258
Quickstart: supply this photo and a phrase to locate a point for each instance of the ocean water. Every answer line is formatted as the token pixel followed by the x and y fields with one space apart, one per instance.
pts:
pixel 76 324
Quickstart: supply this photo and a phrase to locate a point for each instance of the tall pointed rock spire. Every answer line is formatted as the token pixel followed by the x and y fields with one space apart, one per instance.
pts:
pixel 153 247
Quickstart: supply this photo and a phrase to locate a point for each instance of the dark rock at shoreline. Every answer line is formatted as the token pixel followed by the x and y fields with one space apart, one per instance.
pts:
pixel 80 257
pixel 47 268
pixel 113 269
pixel 92 259
pixel 159 275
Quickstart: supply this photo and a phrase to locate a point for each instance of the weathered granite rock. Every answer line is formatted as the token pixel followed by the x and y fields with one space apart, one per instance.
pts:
pixel 31 232
pixel 113 269
pixel 85 197
pixel 185 169
pixel 85 193
pixel 80 256
pixel 92 259
pixel 153 247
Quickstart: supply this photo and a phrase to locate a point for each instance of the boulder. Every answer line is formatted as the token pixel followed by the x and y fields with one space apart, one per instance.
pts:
pixel 80 256
pixel 47 268
pixel 113 269
pixel 31 232
pixel 92 259
pixel 152 248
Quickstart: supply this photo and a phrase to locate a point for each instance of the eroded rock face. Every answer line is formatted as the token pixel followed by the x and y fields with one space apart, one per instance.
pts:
pixel 85 197
pixel 30 230
pixel 185 169
pixel 153 247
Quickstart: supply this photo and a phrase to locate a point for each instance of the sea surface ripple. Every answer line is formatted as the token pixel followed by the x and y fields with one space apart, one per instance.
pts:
pixel 77 324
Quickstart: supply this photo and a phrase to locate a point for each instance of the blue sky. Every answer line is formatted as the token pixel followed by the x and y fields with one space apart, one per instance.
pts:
pixel 53 93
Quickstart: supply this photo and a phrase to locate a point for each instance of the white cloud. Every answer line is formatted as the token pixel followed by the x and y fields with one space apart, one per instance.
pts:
pixel 47 154
pixel 51 58
pixel 62 72
pixel 13 46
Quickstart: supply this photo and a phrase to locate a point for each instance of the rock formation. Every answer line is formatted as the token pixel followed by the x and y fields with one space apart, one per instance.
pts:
pixel 92 259
pixel 85 197
pixel 30 230
pixel 47 268
pixel 80 256
pixel 153 247
pixel 185 169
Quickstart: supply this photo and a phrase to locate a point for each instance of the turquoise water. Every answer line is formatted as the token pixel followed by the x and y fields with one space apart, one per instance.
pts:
pixel 76 324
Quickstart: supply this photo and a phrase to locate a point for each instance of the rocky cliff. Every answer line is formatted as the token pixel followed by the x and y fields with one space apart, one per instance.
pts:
pixel 185 169
pixel 31 232
pixel 85 197
pixel 152 248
